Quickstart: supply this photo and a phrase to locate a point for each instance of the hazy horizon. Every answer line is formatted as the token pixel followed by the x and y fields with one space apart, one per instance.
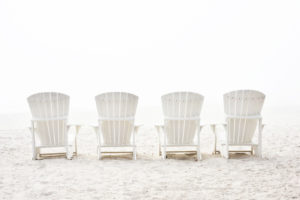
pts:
pixel 83 48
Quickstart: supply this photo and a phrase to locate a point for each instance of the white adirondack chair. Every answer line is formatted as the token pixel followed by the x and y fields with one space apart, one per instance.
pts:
pixel 116 111
pixel 181 122
pixel 243 119
pixel 49 126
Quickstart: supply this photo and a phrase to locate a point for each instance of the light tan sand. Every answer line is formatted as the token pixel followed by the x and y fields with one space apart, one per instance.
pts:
pixel 276 176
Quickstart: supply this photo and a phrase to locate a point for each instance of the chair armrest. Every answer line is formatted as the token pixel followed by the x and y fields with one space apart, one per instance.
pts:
pixel 202 126
pixel 214 126
pixel 137 127
pixel 76 126
pixel 159 128
pixel 95 128
pixel 263 126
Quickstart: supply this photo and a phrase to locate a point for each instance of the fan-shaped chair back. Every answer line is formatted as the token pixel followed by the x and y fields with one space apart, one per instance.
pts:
pixel 116 111
pixel 182 116
pixel 243 109
pixel 50 114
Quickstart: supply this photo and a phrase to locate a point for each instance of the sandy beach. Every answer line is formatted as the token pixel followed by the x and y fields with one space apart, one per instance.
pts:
pixel 235 57
pixel 276 176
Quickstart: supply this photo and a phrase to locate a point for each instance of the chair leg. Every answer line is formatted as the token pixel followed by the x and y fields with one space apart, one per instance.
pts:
pixel 69 153
pixel 75 147
pixel 257 151
pixel 134 153
pixel 159 150
pixel 38 152
pixel 34 154
pixel 199 157
pixel 227 155
pixel 224 151
pixel 164 154
pixel 99 152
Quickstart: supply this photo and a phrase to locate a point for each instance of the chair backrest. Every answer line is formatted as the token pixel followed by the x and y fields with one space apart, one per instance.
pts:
pixel 116 111
pixel 50 114
pixel 243 103
pixel 243 109
pixel 182 116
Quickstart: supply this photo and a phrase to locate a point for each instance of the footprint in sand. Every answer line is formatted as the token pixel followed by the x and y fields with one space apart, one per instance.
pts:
pixel 47 193
pixel 42 165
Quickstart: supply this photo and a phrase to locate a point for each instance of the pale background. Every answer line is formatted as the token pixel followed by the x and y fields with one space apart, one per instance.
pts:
pixel 83 48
